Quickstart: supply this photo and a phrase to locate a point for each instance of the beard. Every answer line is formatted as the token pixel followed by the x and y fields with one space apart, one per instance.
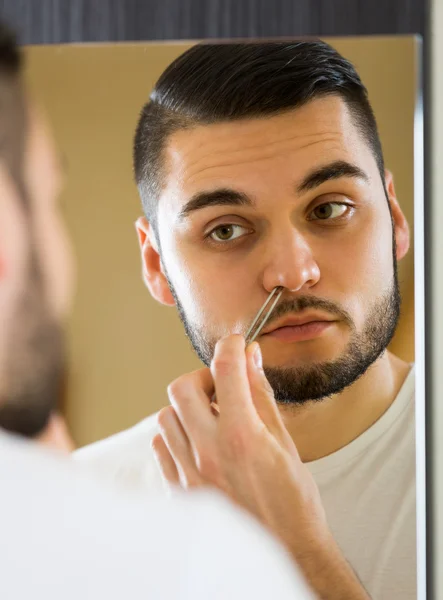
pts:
pixel 35 362
pixel 298 385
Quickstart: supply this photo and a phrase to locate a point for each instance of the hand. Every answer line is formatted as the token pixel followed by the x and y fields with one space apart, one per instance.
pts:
pixel 246 452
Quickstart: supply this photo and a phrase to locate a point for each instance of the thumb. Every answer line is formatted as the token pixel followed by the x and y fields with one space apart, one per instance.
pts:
pixel 264 400
pixel 261 390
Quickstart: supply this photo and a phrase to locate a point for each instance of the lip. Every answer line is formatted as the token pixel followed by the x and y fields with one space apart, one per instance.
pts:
pixel 300 333
pixel 298 321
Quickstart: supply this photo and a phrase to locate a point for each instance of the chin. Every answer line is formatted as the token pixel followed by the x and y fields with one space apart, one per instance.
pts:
pixel 302 354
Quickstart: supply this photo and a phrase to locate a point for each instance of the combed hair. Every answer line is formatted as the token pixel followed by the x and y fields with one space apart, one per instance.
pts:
pixel 212 83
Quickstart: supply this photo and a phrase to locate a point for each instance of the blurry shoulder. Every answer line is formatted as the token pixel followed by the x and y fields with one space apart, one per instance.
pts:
pixel 125 457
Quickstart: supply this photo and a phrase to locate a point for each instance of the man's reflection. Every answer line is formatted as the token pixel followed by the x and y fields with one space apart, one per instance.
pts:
pixel 260 165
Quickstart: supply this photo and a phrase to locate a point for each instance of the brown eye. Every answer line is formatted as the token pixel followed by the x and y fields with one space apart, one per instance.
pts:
pixel 226 233
pixel 331 210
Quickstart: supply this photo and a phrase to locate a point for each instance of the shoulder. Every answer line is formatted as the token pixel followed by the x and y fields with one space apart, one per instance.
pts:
pixel 125 457
pixel 95 526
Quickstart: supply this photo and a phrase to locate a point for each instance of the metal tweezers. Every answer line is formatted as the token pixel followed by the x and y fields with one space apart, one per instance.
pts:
pixel 256 326
pixel 274 295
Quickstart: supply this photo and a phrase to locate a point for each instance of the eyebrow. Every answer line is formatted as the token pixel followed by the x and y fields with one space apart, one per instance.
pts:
pixel 220 197
pixel 334 170
pixel 230 197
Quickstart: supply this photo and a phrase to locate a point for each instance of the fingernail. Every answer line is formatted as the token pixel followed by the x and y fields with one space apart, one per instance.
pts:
pixel 258 359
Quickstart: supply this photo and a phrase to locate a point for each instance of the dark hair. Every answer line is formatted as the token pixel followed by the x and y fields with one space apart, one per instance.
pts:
pixel 13 117
pixel 211 83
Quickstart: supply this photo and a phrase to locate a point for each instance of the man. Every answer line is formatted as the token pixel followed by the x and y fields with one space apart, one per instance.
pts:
pixel 62 535
pixel 259 165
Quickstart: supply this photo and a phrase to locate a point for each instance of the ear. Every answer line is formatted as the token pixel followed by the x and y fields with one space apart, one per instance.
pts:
pixel 153 274
pixel 401 227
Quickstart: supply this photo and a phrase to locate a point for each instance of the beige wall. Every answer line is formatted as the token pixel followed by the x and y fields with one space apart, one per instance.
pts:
pixel 124 347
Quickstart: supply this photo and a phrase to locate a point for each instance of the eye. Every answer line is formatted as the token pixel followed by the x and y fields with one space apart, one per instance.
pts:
pixel 328 211
pixel 226 233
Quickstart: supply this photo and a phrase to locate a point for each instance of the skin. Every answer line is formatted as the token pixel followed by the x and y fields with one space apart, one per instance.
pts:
pixel 56 436
pixel 44 180
pixel 255 451
pixel 47 238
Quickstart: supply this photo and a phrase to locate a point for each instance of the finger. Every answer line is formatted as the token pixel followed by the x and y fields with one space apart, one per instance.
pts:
pixel 261 391
pixel 190 395
pixel 179 447
pixel 263 398
pixel 232 389
pixel 164 460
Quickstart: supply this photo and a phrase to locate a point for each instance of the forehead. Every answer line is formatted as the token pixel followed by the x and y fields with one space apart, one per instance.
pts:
pixel 250 153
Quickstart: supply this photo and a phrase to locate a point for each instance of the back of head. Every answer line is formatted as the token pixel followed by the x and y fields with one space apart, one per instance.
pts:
pixel 31 356
pixel 213 83
pixel 12 108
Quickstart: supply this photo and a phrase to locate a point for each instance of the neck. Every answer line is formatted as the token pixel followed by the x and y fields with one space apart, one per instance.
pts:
pixel 56 435
pixel 322 427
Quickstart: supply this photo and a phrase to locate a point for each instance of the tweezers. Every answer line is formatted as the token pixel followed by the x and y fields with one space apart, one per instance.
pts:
pixel 256 326
pixel 272 300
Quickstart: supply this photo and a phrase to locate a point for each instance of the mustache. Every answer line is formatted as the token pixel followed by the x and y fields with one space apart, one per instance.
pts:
pixel 297 305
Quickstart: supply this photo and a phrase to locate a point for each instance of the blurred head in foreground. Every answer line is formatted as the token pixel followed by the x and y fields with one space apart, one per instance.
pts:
pixel 36 267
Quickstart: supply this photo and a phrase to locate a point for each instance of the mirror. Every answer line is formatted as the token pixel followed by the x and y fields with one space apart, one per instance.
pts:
pixel 125 347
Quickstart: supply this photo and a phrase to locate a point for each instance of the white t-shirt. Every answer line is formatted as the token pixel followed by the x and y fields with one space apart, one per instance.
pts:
pixel 65 537
pixel 367 489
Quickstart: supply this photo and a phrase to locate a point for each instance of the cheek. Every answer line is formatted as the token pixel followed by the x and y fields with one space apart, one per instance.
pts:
pixel 57 262
pixel 14 260
pixel 213 293
pixel 360 269
pixel 376 256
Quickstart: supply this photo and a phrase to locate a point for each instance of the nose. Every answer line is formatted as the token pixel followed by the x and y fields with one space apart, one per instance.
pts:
pixel 290 263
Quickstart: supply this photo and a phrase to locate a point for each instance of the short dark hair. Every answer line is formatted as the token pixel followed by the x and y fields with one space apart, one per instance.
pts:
pixel 213 83
pixel 13 113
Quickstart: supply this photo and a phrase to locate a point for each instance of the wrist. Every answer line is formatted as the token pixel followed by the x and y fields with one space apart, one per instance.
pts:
pixel 327 569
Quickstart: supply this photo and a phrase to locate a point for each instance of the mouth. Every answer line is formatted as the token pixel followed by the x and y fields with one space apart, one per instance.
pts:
pixel 301 328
